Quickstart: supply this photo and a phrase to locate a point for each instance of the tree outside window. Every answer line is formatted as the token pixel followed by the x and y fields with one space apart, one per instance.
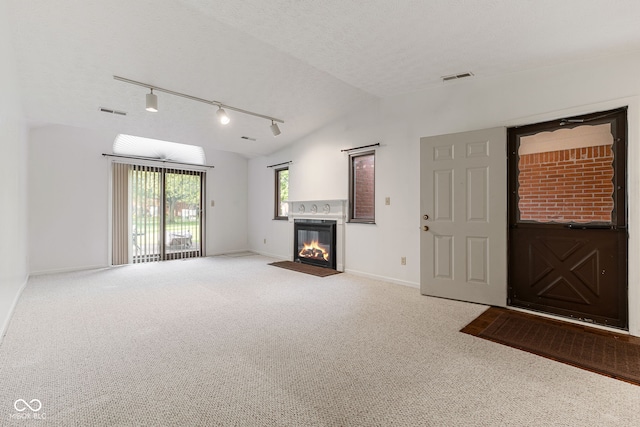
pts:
pixel 282 194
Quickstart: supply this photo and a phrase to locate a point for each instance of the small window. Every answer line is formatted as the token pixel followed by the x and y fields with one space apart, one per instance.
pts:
pixel 282 194
pixel 362 187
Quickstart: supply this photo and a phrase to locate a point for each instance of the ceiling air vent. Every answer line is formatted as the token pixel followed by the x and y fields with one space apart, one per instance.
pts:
pixel 457 76
pixel 248 138
pixel 110 111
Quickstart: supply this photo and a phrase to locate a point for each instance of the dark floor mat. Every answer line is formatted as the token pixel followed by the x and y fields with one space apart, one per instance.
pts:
pixel 305 268
pixel 607 353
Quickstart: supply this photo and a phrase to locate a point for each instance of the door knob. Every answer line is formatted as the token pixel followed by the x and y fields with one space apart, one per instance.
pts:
pixel 425 217
pixel 425 228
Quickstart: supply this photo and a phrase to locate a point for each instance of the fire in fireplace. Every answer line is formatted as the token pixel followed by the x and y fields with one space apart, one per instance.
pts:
pixel 314 242
pixel 314 250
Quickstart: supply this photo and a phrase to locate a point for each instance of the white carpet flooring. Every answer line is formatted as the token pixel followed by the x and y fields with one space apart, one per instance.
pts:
pixel 232 341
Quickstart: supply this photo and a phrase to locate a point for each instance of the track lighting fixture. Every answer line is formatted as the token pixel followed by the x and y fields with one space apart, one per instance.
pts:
pixel 274 128
pixel 152 104
pixel 222 116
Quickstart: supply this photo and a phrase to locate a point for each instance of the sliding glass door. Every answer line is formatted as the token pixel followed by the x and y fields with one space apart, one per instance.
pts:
pixel 144 210
pixel 157 213
pixel 182 213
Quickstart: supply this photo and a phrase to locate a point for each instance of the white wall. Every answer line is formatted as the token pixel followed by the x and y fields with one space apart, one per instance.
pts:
pixel 227 186
pixel 68 203
pixel 319 170
pixel 266 235
pixel 69 199
pixel 13 176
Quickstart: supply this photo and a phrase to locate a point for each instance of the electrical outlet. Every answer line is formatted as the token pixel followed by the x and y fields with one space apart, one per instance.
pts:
pixel 403 260
pixel 213 203
pixel 387 201
pixel 265 241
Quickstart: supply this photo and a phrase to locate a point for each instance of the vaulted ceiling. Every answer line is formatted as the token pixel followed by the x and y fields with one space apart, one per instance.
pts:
pixel 306 62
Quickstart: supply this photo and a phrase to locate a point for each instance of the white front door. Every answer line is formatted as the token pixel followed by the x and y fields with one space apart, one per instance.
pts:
pixel 463 189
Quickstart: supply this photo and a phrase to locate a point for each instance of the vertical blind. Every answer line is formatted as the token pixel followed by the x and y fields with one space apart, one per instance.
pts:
pixel 157 213
pixel 119 215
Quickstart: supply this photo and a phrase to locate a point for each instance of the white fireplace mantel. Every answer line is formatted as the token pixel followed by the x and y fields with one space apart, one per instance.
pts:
pixel 318 209
pixel 335 210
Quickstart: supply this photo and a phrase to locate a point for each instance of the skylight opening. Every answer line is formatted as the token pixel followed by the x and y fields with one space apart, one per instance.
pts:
pixel 129 145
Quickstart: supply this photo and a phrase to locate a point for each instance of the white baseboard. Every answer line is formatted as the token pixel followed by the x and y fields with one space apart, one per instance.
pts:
pixel 270 255
pixel 4 326
pixel 235 251
pixel 384 278
pixel 68 270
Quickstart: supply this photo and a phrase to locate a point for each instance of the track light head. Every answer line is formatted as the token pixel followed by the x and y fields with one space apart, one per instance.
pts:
pixel 222 116
pixel 274 128
pixel 152 102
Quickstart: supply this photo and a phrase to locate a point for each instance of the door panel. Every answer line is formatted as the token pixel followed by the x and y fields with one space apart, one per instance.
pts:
pixel 463 202
pixel 145 212
pixel 567 218
pixel 574 272
pixel 182 219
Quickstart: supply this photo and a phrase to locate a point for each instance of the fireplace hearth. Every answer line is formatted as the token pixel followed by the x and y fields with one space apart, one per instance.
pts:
pixel 314 242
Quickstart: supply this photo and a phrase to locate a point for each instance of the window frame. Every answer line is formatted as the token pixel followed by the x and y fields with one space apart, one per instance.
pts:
pixel 351 217
pixel 277 201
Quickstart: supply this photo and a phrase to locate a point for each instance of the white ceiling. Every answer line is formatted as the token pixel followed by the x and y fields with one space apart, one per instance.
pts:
pixel 304 61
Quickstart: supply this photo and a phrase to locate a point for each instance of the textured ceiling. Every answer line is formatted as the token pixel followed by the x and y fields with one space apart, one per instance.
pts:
pixel 306 62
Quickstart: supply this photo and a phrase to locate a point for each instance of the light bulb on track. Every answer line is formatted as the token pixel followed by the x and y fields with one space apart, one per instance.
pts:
pixel 152 102
pixel 222 116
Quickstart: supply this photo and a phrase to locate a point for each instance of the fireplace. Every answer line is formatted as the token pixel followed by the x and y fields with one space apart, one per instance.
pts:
pixel 314 242
pixel 323 221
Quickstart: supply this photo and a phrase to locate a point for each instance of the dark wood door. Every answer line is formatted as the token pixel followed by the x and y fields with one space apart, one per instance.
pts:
pixel 568 218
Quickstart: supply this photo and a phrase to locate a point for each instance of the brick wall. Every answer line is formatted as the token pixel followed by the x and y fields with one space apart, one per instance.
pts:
pixel 572 185
pixel 364 191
